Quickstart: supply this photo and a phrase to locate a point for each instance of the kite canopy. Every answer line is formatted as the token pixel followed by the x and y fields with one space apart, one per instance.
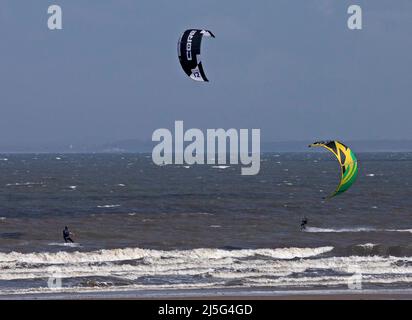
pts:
pixel 347 161
pixel 188 49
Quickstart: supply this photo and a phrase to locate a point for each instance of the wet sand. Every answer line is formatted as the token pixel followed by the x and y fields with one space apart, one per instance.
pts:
pixel 208 294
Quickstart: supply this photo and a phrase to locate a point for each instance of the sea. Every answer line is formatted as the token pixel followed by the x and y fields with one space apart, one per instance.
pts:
pixel 138 227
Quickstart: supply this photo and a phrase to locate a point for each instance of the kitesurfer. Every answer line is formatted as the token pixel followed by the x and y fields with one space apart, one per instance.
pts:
pixel 303 224
pixel 67 235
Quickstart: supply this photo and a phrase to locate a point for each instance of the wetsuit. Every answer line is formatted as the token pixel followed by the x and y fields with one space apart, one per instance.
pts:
pixel 303 224
pixel 66 235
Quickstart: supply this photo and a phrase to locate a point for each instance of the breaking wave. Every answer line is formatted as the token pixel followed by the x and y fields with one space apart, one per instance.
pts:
pixel 135 268
pixel 63 257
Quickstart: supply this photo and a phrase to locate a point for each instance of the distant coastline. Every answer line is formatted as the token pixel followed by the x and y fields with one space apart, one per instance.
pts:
pixel 138 146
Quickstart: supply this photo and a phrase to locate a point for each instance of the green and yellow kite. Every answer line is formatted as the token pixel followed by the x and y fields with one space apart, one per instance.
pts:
pixel 347 161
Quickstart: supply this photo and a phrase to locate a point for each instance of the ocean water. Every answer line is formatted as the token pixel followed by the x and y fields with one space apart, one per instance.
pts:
pixel 139 226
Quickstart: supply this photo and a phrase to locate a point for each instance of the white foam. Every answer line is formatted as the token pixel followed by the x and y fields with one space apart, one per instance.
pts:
pixel 220 167
pixel 64 244
pixel 359 229
pixel 109 206
pixel 137 253
pixel 4 159
pixel 367 245
pixel 315 230
pixel 252 268
pixel 24 184
pixel 2 218
pixel 73 187
pixel 204 213
pixel 370 175
pixel 398 230
pixel 121 185
pixel 208 268
pixel 326 281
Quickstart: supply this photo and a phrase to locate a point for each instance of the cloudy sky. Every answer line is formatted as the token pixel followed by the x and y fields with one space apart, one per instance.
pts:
pixel 289 67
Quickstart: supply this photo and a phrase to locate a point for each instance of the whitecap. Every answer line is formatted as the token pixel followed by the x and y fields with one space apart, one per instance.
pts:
pixel 220 167
pixel 358 229
pixel 109 206
pixel 367 245
pixel 399 230
pixel 157 256
pixel 330 230
pixel 202 213
pixel 64 244
pixel 17 184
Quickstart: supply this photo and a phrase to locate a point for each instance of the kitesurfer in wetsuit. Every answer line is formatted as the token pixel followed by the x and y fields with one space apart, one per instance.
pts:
pixel 66 235
pixel 303 224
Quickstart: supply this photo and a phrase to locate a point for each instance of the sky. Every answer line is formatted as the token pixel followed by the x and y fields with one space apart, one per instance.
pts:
pixel 291 68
